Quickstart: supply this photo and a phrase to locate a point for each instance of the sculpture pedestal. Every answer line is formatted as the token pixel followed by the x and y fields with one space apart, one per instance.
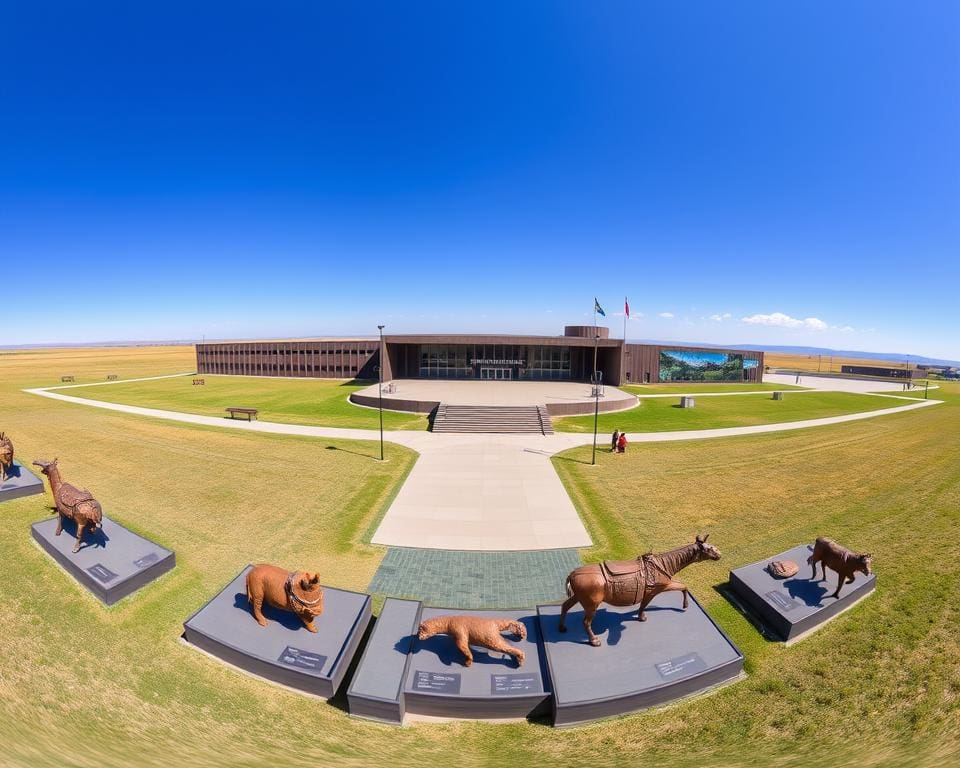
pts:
pixel 111 564
pixel 673 654
pixel 791 608
pixel 21 482
pixel 493 687
pixel 284 651
pixel 401 674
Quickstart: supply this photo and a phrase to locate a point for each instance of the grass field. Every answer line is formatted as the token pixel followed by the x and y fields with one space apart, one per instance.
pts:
pixel 823 363
pixel 880 685
pixel 663 414
pixel 290 401
pixel 83 685
pixel 687 387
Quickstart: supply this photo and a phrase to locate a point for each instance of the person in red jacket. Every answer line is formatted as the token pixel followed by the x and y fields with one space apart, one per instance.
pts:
pixel 622 443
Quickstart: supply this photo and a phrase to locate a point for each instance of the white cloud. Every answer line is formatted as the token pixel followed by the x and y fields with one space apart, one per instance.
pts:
pixel 781 320
pixel 721 318
pixel 667 315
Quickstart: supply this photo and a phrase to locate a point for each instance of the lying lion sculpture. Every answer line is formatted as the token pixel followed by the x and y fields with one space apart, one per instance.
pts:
pixel 475 630
pixel 6 457
pixel 296 591
pixel 840 559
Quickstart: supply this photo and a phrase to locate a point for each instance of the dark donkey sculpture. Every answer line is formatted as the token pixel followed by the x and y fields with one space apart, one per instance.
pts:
pixel 628 582
pixel 75 503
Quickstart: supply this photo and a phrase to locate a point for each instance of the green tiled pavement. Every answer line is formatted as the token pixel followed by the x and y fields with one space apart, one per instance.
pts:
pixel 450 579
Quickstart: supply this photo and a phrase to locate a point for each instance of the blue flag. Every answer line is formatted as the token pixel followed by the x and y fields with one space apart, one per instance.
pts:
pixel 597 308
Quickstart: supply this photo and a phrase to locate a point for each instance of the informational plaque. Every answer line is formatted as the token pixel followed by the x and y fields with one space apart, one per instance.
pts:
pixel 146 560
pixel 508 685
pixel 681 666
pixel 783 602
pixel 101 573
pixel 294 657
pixel 437 682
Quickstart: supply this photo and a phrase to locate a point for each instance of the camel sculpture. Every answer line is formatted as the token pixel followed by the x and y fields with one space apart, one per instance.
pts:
pixel 475 630
pixel 840 559
pixel 629 582
pixel 6 457
pixel 74 503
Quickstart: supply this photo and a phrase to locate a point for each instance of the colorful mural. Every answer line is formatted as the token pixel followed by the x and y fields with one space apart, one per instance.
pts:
pixel 687 365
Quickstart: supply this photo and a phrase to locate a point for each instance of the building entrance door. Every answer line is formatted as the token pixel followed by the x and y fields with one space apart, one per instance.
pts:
pixel 498 374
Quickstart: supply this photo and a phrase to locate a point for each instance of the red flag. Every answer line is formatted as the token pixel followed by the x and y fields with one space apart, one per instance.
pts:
pixel 626 307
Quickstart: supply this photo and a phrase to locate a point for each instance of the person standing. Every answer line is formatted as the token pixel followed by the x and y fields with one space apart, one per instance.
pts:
pixel 622 443
pixel 614 440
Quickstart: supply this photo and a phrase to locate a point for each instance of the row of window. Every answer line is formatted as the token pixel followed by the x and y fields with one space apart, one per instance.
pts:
pixel 267 367
pixel 236 351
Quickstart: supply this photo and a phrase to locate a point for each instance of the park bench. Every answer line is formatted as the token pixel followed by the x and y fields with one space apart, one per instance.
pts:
pixel 199 382
pixel 66 378
pixel 112 377
pixel 250 413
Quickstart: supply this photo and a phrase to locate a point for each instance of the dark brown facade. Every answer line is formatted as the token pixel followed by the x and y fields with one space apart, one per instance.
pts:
pixel 326 359
pixel 495 357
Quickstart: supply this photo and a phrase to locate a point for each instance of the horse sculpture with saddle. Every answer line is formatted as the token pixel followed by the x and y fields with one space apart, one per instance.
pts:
pixel 631 582
pixel 74 503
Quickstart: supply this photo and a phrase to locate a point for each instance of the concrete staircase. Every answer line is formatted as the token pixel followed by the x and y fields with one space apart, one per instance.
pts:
pixel 522 419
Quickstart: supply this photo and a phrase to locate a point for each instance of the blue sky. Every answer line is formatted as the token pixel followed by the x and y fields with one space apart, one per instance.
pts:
pixel 750 172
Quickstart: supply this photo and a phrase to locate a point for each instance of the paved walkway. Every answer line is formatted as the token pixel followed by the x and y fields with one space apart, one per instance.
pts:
pixel 479 492
pixel 475 579
pixel 828 383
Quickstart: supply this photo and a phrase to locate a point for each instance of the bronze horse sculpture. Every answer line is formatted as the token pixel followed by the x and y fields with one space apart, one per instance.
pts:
pixel 629 582
pixel 74 503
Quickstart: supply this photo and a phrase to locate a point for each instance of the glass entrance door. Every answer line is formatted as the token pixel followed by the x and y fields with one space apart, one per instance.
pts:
pixel 497 374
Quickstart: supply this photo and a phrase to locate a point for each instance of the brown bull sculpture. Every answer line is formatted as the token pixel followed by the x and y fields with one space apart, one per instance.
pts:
pixel 74 503
pixel 629 582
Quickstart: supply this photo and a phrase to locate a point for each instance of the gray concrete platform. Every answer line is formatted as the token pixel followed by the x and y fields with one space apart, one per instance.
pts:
pixel 19 483
pixel 376 692
pixel 494 687
pixel 111 564
pixel 674 654
pixel 283 651
pixel 792 607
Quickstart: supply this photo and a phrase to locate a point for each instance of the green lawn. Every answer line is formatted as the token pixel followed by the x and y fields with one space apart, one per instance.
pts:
pixel 687 388
pixel 880 685
pixel 663 414
pixel 290 401
pixel 94 687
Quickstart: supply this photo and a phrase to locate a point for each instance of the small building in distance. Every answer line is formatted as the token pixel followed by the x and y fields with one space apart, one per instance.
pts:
pixel 569 357
pixel 883 372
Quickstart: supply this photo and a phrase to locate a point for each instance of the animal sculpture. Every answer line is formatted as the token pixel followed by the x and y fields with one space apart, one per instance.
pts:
pixel 296 591
pixel 6 457
pixel 475 630
pixel 73 503
pixel 840 559
pixel 628 582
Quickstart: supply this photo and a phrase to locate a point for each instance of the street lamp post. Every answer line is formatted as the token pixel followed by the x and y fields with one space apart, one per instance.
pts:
pixel 380 388
pixel 596 394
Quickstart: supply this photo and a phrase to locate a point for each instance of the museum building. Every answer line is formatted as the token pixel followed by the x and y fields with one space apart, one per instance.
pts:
pixel 486 357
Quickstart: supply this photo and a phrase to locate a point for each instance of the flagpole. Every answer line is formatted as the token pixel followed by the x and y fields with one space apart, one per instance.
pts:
pixel 624 318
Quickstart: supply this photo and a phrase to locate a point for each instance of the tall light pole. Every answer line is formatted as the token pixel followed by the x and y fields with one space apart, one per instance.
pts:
pixel 595 378
pixel 380 387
